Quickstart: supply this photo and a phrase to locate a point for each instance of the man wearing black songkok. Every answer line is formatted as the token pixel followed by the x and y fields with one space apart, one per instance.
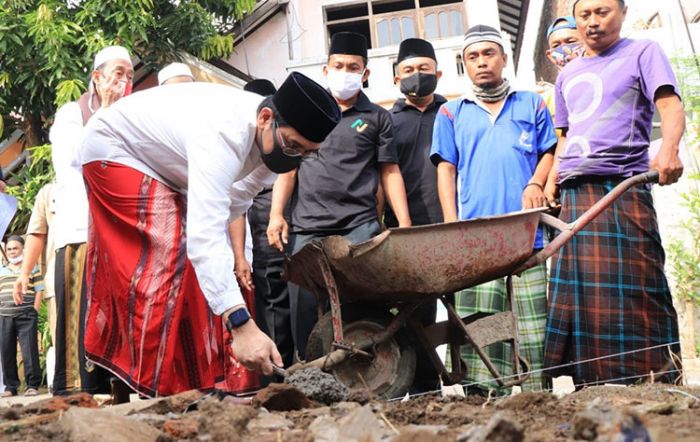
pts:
pixel 265 280
pixel 165 173
pixel 335 193
pixel 413 117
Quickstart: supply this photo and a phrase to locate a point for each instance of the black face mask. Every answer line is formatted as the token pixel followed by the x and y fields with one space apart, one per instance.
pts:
pixel 419 85
pixel 277 161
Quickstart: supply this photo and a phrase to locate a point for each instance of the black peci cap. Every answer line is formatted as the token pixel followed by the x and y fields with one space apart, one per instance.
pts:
pixel 350 43
pixel 260 86
pixel 415 47
pixel 307 107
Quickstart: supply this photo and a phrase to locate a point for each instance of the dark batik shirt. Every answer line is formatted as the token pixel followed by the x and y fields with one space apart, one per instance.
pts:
pixel 338 189
pixel 413 136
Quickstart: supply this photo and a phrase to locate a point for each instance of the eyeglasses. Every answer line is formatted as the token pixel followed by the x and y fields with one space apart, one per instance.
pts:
pixel 290 151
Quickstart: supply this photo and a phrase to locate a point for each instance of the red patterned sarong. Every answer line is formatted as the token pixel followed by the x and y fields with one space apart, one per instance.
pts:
pixel 147 319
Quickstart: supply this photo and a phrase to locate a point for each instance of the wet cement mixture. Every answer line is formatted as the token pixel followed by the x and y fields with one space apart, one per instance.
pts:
pixel 318 385
pixel 641 413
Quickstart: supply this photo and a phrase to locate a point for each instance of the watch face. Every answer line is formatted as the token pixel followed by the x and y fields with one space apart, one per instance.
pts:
pixel 238 318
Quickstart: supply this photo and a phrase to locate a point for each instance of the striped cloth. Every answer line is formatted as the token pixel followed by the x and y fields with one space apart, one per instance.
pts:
pixel 608 291
pixel 8 276
pixel 72 372
pixel 530 291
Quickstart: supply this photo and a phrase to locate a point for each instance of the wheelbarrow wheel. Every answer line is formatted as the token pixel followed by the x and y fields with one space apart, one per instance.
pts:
pixel 389 370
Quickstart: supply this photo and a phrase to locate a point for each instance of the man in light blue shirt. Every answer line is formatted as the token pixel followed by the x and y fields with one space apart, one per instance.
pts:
pixel 495 145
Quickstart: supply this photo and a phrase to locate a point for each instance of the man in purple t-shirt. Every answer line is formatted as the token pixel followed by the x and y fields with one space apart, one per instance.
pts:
pixel 608 292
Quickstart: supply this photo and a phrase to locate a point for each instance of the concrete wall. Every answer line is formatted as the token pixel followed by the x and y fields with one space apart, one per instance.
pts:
pixel 266 51
pixel 313 38
pixel 482 12
pixel 303 29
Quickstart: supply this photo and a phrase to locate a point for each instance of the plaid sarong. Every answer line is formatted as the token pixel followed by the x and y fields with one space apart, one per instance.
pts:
pixel 530 291
pixel 608 292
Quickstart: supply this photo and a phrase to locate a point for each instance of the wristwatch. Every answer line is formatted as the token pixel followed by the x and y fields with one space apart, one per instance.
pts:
pixel 237 318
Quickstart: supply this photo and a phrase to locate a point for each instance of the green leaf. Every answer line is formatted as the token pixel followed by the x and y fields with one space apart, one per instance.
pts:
pixel 69 90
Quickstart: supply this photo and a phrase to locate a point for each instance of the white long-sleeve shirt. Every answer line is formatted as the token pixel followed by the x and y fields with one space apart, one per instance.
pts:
pixel 199 139
pixel 66 135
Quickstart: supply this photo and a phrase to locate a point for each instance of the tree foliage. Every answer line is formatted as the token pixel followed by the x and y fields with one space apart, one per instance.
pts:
pixel 47 46
pixel 32 177
pixel 46 53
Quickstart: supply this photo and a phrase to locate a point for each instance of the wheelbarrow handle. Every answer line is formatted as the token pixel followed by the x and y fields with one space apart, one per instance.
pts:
pixel 569 230
pixel 651 177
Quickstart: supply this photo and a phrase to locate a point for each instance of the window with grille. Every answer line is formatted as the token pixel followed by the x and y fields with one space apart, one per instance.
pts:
pixel 388 22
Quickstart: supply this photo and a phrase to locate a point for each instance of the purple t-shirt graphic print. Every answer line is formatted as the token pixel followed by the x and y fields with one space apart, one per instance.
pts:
pixel 607 104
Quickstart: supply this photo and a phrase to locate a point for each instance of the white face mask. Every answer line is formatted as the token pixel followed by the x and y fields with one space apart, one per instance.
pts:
pixel 16 260
pixel 344 85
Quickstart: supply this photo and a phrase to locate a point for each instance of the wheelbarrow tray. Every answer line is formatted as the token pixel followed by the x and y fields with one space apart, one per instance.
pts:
pixel 410 264
pixel 404 267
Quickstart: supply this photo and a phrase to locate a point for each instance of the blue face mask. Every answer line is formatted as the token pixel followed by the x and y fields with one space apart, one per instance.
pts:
pixel 565 53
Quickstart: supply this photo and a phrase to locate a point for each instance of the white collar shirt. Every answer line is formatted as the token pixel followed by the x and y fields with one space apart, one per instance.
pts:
pixel 66 136
pixel 198 139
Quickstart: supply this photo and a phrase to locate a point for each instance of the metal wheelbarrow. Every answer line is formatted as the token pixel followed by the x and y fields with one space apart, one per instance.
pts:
pixel 403 268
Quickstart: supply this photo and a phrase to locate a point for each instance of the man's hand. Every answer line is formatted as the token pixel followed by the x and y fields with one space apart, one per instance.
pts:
pixel 551 189
pixel 669 165
pixel 667 161
pixel 20 287
pixel 447 190
pixel 244 276
pixel 254 349
pixel 278 232
pixel 533 196
pixel 551 192
pixel 2 186
pixel 110 91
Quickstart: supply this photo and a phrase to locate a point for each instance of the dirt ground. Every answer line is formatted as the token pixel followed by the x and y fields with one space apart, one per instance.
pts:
pixel 650 412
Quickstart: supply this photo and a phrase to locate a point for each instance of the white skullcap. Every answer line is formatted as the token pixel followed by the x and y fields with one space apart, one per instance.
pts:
pixel 174 70
pixel 111 53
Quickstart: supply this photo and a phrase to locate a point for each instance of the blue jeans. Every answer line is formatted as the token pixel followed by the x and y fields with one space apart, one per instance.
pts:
pixel 302 303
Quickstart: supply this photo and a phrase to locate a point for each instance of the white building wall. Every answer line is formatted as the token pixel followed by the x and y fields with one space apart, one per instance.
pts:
pixel 313 37
pixel 482 12
pixel 264 53
pixel 526 64
pixel 268 54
